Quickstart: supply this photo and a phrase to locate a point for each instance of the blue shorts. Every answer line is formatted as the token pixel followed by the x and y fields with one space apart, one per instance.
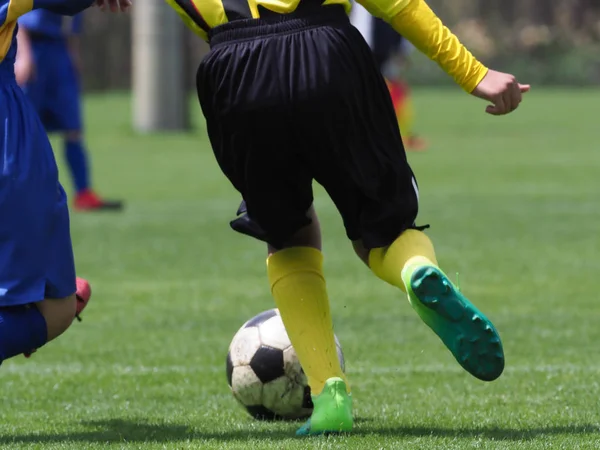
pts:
pixel 36 256
pixel 54 88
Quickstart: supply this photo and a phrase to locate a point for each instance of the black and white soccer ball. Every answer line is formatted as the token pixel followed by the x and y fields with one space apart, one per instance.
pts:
pixel 264 373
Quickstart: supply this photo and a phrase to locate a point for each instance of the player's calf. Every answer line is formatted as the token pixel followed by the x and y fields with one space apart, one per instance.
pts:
pixel 82 297
pixel 25 328
pixel 22 328
pixel 58 314
pixel 410 264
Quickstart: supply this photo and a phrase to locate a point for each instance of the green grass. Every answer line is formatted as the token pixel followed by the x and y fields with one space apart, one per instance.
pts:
pixel 513 204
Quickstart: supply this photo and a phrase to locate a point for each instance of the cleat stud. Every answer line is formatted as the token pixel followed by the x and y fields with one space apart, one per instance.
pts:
pixel 476 319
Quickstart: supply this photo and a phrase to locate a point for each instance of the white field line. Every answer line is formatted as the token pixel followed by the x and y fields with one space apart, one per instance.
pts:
pixel 136 370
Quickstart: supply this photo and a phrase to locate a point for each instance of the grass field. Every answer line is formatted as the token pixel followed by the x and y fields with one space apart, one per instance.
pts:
pixel 514 208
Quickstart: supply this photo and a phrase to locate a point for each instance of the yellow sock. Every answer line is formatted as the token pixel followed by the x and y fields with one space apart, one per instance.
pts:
pixel 411 247
pixel 299 290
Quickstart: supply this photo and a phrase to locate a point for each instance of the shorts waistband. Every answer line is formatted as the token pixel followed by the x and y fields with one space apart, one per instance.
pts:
pixel 308 17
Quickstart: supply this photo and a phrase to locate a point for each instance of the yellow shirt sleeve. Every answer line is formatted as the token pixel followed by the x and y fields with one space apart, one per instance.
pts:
pixel 384 9
pixel 10 11
pixel 187 19
pixel 415 21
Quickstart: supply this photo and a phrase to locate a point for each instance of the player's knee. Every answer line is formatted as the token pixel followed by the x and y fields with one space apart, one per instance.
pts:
pixel 279 234
pixel 361 251
pixel 59 314
pixel 307 236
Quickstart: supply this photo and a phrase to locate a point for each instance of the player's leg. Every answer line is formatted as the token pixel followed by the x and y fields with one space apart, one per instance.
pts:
pixel 24 328
pixel 77 157
pixel 260 149
pixel 299 290
pixel 410 264
pixel 36 260
pixel 65 109
pixel 389 51
pixel 402 100
pixel 403 106
pixel 60 272
pixel 295 270
pixel 309 236
pixel 377 194
pixel 299 316
pixel 77 161
pixel 293 235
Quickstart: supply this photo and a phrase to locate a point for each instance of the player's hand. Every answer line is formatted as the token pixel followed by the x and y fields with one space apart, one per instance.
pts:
pixel 502 90
pixel 114 5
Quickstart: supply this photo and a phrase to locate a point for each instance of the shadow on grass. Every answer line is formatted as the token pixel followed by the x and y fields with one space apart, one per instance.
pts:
pixel 120 430
pixel 132 431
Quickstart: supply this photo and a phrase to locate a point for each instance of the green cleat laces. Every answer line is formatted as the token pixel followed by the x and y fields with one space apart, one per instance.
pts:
pixel 467 333
pixel 332 411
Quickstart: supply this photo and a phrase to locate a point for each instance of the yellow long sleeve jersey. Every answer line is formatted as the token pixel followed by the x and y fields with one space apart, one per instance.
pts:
pixel 413 19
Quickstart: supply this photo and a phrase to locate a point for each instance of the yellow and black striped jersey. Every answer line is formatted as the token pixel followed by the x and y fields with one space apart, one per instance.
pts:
pixel 203 15
pixel 413 19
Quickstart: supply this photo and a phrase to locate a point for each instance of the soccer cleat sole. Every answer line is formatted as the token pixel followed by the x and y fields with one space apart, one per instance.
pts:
pixel 307 431
pixel 468 334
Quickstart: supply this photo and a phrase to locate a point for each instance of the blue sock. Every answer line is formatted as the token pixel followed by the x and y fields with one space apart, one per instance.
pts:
pixel 22 329
pixel 78 163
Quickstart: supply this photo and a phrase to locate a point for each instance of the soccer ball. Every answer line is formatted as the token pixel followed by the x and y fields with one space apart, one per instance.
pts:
pixel 263 371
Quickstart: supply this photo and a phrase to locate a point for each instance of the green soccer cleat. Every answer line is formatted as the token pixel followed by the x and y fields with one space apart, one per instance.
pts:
pixel 332 411
pixel 467 333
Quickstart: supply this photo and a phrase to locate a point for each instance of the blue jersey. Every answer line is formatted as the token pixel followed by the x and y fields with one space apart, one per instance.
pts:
pixel 55 89
pixel 46 23
pixel 12 10
pixel 36 256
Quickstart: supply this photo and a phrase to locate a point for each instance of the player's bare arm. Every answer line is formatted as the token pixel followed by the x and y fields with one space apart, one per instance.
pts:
pixel 24 64
pixel 421 26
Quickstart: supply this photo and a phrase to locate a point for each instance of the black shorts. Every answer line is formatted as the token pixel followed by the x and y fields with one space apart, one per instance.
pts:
pixel 296 98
